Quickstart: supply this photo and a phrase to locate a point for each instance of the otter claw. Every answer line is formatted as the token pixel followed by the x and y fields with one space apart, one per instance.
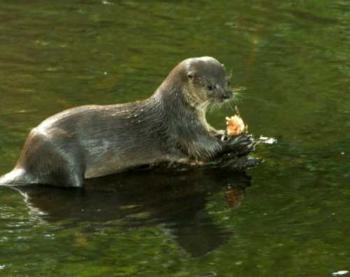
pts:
pixel 241 145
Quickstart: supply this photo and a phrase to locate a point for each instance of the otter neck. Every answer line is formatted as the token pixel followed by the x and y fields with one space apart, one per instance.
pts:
pixel 180 108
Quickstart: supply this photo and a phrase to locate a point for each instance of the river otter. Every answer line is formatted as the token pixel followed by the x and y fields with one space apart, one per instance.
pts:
pixel 92 141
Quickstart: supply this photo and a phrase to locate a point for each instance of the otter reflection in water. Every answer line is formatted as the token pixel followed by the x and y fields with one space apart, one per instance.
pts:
pixel 176 200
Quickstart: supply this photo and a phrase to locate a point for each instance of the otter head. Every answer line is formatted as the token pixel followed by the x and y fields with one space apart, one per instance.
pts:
pixel 206 82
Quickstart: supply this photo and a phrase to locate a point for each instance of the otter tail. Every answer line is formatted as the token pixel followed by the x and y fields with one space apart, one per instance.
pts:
pixel 15 177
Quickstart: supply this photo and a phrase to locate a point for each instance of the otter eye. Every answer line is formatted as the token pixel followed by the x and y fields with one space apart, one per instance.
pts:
pixel 210 87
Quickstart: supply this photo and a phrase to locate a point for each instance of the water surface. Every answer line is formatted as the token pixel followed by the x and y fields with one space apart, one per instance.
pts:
pixel 288 217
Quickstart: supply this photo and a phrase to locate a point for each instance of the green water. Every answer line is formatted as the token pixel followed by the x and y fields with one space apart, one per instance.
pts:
pixel 289 217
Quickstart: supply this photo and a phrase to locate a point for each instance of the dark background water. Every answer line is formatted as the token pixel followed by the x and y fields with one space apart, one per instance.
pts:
pixel 290 218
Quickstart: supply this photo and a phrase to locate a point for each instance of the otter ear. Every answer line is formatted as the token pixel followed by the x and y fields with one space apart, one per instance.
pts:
pixel 190 75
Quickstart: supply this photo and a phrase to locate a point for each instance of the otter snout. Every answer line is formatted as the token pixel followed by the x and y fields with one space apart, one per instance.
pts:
pixel 226 94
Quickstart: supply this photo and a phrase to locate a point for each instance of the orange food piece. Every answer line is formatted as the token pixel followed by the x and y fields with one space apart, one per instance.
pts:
pixel 234 125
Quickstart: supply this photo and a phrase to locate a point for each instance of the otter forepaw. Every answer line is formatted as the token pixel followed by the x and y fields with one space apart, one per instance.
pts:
pixel 240 145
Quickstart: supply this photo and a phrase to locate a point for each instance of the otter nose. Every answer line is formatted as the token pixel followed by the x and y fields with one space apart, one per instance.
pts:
pixel 227 94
